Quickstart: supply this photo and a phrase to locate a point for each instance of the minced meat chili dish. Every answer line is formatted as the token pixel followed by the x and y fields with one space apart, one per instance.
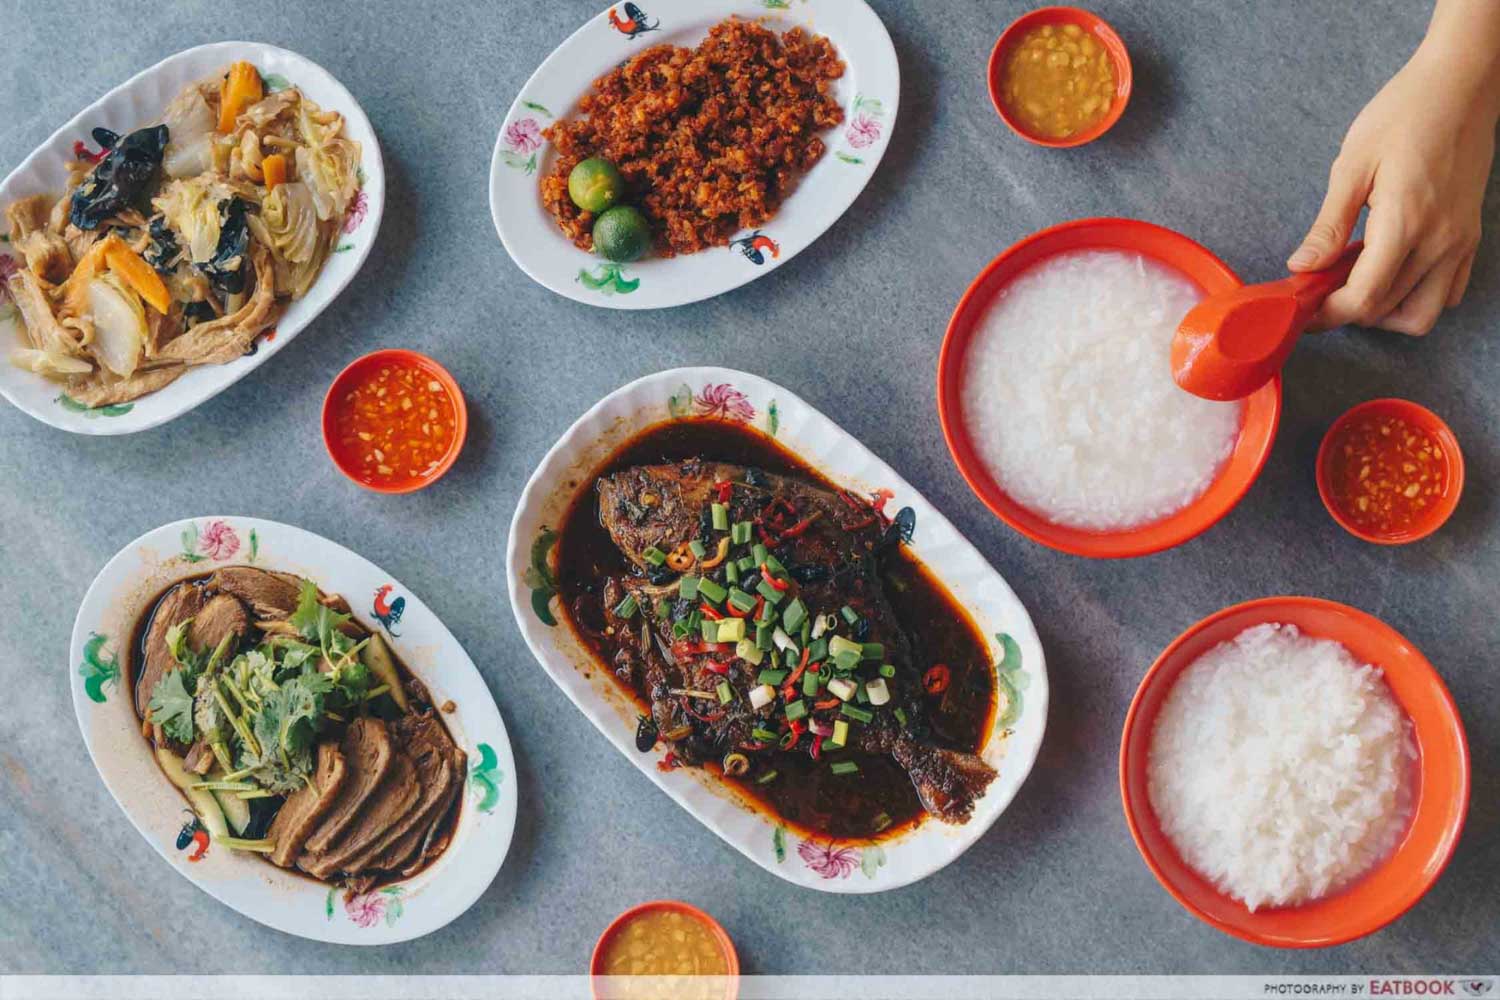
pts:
pixel 774 629
pixel 709 140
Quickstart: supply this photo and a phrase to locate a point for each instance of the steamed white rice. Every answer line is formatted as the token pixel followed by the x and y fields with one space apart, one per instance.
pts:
pixel 1280 768
pixel 1069 399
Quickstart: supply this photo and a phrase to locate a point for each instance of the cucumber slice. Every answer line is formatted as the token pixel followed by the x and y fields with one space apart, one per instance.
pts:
pixel 203 802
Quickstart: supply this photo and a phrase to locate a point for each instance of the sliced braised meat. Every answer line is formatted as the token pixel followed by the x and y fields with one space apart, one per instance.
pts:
pixel 222 615
pixel 304 808
pixel 368 754
pixel 423 739
pixel 395 797
pixel 199 759
pixel 271 594
pixel 178 605
pixel 440 831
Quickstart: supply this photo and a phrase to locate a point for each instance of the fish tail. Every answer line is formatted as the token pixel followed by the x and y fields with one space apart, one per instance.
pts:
pixel 948 782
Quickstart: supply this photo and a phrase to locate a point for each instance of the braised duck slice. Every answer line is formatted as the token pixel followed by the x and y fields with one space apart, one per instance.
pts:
pixel 305 807
pixel 368 754
pixel 270 594
pixel 392 801
pixel 434 777
pixel 176 606
pixel 222 615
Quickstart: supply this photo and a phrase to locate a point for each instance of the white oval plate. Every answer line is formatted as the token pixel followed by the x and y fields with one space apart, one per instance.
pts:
pixel 277 898
pixel 869 92
pixel 831 866
pixel 138 102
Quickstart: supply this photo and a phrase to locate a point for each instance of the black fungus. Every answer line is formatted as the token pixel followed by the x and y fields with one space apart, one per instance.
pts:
pixel 755 477
pixel 706 526
pixel 163 246
pixel 660 574
pixel 805 573
pixel 900 531
pixel 645 733
pixel 198 312
pixel 227 269
pixel 262 812
pixel 119 180
pixel 861 629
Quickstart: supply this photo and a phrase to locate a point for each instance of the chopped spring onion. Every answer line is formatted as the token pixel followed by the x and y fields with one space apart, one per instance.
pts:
pixel 663 609
pixel 740 533
pixel 731 629
pixel 887 670
pixel 861 695
pixel 838 644
pixel 763 735
pixel 796 710
pixel 882 821
pixel 791 657
pixel 771 677
pixel 843 767
pixel 758 553
pixel 842 688
pixel 901 716
pixel 739 599
pixel 654 556
pixel 725 693
pixel 767 778
pixel 720 515
pixel 767 614
pixel 795 614
pixel 681 630
pixel 763 636
pixel 732 572
pixel 711 590
pixel 878 691
pixel 855 713
pixel 747 650
pixel 817 651
pixel 747 565
pixel 627 607
pixel 874 651
pixel 687 587
pixel 761 696
pixel 822 624
pixel 809 684
pixel 782 640
pixel 849 614
pixel 770 593
pixel 736 764
pixel 697 548
pixel 774 565
pixel 840 735
pixel 710 629
pixel 846 660
pixel 238 844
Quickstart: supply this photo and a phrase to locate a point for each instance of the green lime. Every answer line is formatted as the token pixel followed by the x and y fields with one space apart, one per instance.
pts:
pixel 622 234
pixel 595 184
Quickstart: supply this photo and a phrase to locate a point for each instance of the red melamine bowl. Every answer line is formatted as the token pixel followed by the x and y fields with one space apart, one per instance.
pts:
pixel 1441 802
pixel 1453 462
pixel 356 370
pixel 1092 24
pixel 731 959
pixel 1261 413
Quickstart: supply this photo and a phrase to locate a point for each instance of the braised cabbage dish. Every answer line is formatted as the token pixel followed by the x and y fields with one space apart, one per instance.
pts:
pixel 182 242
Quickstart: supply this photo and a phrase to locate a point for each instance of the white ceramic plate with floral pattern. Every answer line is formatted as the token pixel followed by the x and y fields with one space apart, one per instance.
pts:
pixel 1015 736
pixel 869 92
pixel 134 104
pixel 292 903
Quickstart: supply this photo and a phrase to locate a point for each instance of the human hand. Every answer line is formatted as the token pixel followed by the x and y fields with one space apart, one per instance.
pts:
pixel 1419 156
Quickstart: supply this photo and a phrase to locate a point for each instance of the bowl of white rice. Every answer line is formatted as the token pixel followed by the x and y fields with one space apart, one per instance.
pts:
pixel 1294 772
pixel 1057 399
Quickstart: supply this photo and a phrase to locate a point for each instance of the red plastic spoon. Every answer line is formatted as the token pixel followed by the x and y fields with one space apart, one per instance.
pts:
pixel 1231 344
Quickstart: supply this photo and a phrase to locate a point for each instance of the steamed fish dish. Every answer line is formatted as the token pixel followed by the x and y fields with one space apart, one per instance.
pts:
pixel 293 730
pixel 180 243
pixel 774 629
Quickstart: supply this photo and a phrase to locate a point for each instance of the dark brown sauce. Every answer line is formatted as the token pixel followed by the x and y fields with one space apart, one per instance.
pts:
pixel 880 799
pixel 135 660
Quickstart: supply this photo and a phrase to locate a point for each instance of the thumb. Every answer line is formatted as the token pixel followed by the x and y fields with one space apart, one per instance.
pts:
pixel 1347 191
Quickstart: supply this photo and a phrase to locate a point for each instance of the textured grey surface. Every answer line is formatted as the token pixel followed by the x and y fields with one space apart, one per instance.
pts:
pixel 1235 118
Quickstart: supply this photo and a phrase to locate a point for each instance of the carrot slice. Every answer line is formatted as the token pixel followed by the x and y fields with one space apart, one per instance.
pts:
pixel 90 266
pixel 273 168
pixel 139 275
pixel 241 88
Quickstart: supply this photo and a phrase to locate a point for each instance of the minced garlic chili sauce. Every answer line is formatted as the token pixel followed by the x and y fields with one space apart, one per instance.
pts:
pixel 665 943
pixel 1385 473
pixel 395 424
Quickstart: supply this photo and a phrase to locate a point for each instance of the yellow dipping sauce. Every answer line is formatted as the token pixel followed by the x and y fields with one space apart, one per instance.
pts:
pixel 1058 81
pixel 665 943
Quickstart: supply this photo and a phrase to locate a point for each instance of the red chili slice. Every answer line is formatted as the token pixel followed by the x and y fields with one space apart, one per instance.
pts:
pixel 936 680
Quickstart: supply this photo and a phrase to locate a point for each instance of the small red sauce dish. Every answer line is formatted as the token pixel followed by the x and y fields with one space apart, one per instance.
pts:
pixel 609 980
pixel 394 421
pixel 1442 780
pixel 1390 471
pixel 1093 26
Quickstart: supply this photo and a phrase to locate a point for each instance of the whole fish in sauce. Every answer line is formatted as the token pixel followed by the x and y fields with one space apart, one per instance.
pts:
pixel 756 622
